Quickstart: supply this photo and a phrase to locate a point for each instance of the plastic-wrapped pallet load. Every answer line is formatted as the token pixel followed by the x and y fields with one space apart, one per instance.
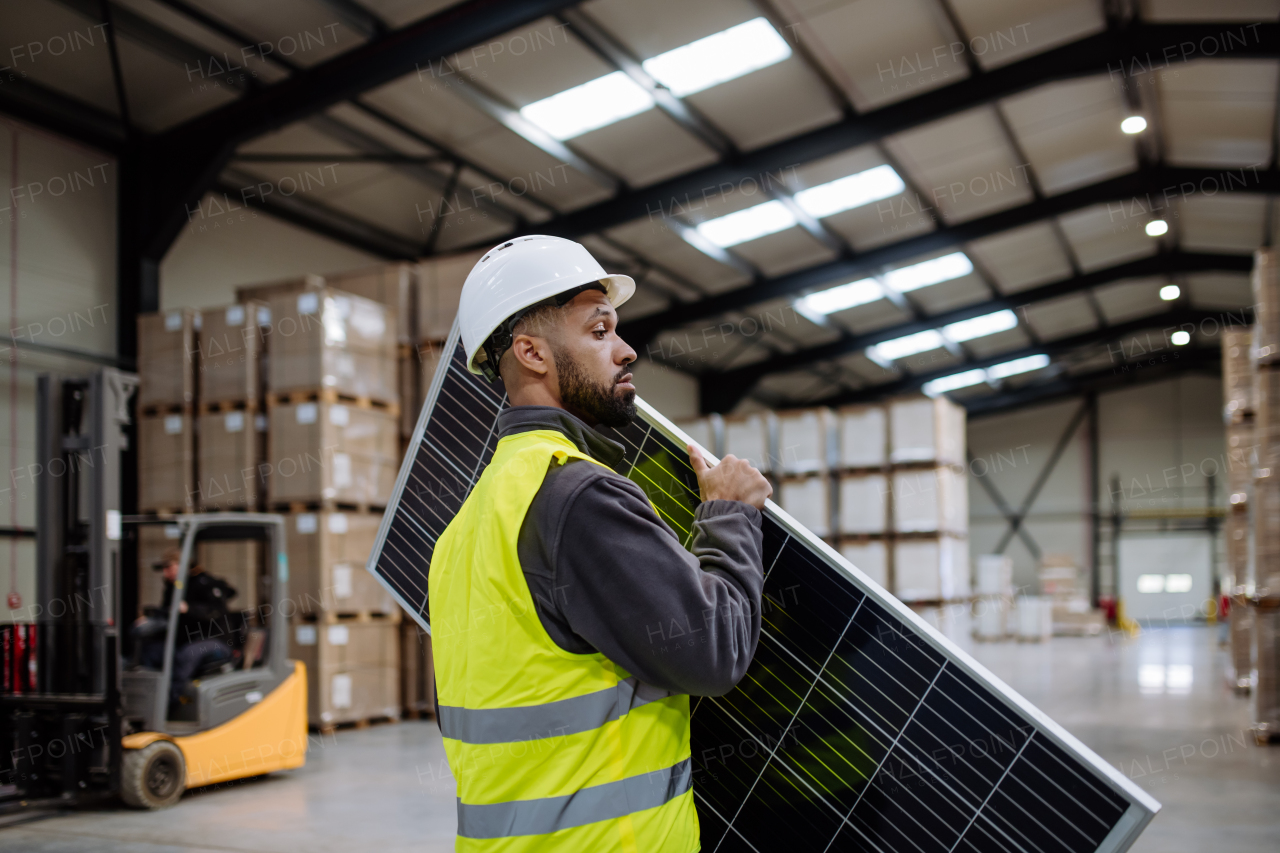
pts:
pixel 322 451
pixel 440 282
pixel 863 503
pixel 327 339
pixel 703 431
pixel 935 500
pixel 1266 306
pixel 168 349
pixel 862 437
pixel 232 445
pixel 166 462
pixel 417 671
pixel 1267 664
pixel 327 552
pixel 926 429
pixel 871 556
pixel 233 343
pixel 808 501
pixel 1237 373
pixel 805 441
pixel 993 590
pixel 934 568
pixel 1033 616
pixel 355 666
pixel 747 437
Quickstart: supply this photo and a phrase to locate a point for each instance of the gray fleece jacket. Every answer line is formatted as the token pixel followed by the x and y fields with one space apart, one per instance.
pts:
pixel 608 575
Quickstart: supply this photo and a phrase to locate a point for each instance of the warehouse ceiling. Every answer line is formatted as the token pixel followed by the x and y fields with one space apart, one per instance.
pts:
pixel 823 201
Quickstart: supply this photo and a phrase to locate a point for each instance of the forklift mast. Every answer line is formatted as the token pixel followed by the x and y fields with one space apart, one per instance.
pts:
pixel 60 731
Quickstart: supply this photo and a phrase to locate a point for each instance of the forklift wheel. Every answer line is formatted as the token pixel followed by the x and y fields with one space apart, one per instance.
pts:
pixel 153 777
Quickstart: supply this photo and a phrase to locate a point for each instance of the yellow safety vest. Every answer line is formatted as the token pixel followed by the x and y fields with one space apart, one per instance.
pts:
pixel 551 750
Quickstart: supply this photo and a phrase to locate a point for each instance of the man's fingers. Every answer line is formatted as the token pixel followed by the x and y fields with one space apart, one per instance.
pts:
pixel 695 459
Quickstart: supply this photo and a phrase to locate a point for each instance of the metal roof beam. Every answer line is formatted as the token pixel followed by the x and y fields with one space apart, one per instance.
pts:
pixel 1135 195
pixel 723 390
pixel 1167 321
pixel 1132 49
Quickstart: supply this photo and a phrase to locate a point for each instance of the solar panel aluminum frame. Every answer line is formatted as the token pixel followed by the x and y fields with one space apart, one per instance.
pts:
pixel 1141 806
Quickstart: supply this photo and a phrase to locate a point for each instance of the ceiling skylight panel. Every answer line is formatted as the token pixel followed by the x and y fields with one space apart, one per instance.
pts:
pixel 749 224
pixel 851 191
pixel 592 105
pixel 926 273
pixel 718 58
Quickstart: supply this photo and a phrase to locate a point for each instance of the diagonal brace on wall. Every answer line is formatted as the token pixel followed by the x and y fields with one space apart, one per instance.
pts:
pixel 1005 510
pixel 1016 519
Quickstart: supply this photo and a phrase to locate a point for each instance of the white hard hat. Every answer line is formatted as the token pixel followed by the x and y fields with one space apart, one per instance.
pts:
pixel 520 273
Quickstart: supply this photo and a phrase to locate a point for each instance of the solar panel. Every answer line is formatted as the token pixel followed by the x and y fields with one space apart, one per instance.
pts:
pixel 857 727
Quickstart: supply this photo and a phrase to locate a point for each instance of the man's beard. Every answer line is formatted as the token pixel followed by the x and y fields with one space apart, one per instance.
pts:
pixel 597 401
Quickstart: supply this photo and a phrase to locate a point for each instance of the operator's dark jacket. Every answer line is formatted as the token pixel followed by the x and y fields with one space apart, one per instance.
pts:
pixel 608 575
pixel 207 597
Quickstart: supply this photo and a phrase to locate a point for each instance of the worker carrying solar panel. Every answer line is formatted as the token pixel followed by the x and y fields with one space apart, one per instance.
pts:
pixel 557 590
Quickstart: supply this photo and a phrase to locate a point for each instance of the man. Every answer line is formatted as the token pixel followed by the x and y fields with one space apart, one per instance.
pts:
pixel 201 609
pixel 566 721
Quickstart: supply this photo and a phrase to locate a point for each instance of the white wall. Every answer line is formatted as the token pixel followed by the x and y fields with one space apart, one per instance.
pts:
pixel 214 255
pixel 1161 439
pixel 57 265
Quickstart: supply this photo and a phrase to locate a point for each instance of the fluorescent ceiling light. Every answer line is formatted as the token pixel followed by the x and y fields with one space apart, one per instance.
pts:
pixel 850 192
pixel 1133 124
pixel 1180 338
pixel 954 381
pixel 1018 365
pixel 977 327
pixel 1157 228
pixel 594 104
pixel 744 225
pixel 718 58
pixel 1170 292
pixel 905 346
pixel 843 296
pixel 926 273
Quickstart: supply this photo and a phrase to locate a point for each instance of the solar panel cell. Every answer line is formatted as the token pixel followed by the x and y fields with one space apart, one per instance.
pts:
pixel 856 726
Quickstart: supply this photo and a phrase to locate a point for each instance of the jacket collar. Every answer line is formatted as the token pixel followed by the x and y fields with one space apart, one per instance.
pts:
pixel 518 419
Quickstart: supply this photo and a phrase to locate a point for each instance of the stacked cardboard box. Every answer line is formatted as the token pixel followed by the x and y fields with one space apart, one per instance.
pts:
pixel 168 349
pixel 993 599
pixel 340 452
pixel 863 499
pixel 1071 612
pixel 439 286
pixel 353 669
pixel 1238 415
pixel 417 673
pixel 803 463
pixel 327 555
pixel 1265 510
pixel 749 437
pixel 929 499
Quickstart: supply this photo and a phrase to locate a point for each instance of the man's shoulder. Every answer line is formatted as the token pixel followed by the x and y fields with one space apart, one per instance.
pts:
pixel 575 476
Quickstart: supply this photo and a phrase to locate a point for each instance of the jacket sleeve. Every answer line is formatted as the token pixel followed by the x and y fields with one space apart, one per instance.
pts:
pixel 685 622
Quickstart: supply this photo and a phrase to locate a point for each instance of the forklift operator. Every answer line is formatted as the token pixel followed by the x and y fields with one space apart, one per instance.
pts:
pixel 570 625
pixel 200 611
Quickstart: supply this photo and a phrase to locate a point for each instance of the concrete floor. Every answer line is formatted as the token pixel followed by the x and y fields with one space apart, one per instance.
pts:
pixel 1155 706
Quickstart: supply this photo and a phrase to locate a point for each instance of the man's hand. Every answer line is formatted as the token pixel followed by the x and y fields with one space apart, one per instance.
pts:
pixel 733 479
pixel 182 606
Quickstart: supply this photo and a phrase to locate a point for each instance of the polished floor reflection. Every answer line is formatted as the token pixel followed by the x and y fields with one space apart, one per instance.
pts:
pixel 1155 706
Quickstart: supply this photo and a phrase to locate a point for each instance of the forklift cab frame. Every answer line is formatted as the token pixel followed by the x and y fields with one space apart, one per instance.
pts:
pixel 225 695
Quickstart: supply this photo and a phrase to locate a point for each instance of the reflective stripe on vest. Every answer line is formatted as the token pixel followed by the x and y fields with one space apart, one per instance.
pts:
pixel 553 719
pixel 552 814
pixel 551 750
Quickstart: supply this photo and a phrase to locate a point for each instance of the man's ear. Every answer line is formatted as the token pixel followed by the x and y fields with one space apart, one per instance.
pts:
pixel 532 353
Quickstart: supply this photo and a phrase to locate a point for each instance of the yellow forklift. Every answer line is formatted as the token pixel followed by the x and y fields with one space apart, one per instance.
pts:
pixel 81 721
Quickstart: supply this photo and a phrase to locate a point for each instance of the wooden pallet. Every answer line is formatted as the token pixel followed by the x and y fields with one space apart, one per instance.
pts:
pixel 364 723
pixel 337 617
pixel 327 505
pixel 218 407
pixel 166 512
pixel 329 395
pixel 166 409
